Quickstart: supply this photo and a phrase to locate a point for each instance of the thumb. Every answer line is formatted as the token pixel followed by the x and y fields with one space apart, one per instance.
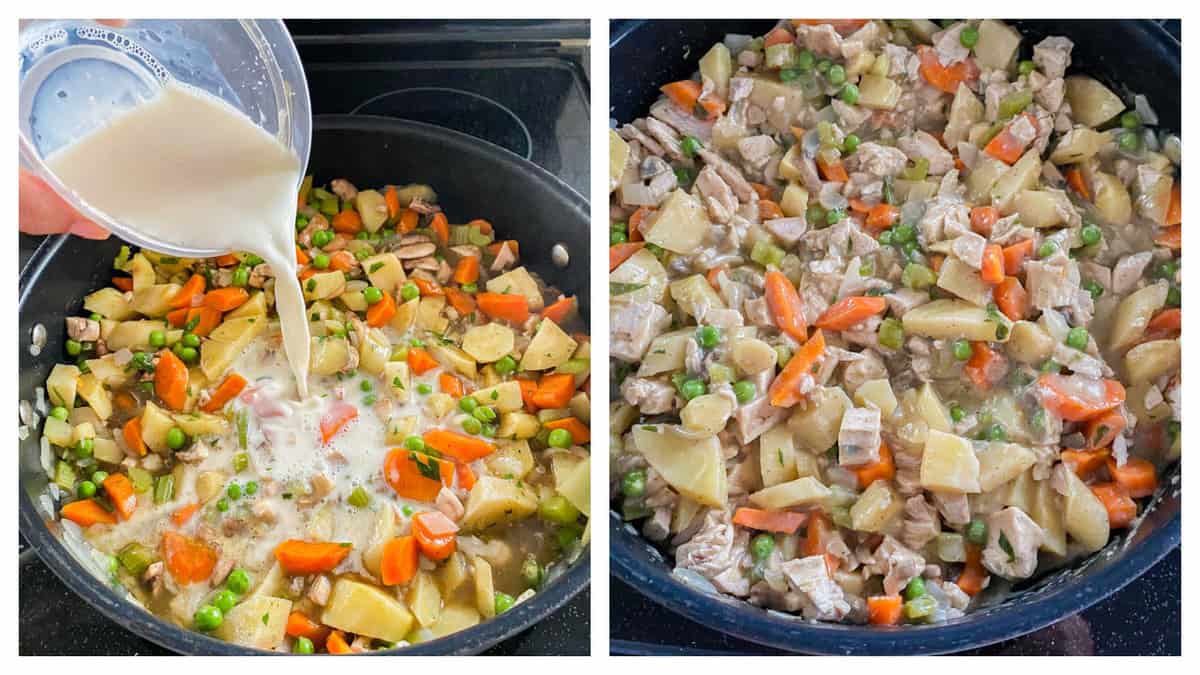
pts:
pixel 42 211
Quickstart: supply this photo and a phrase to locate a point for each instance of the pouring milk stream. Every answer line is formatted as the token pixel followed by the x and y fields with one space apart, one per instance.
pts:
pixel 187 168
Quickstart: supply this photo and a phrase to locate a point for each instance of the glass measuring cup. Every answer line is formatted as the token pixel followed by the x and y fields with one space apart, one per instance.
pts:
pixel 77 75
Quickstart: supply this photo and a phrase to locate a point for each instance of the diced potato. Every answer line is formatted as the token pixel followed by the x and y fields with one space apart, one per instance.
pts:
pixel 399 428
pixel 255 306
pixel 1046 509
pixel 364 609
pixel 440 404
pixel 695 296
pixel 156 422
pixel 621 417
pixel 485 589
pixel 965 110
pixel 962 280
pixel 406 315
pixel 259 621
pixel 327 355
pixel 954 319
pixel 679 225
pixel 878 93
pixel 799 492
pixel 1135 400
pixel 1134 312
pixel 429 314
pixel 877 394
pixel 227 342
pixel 685 511
pixel 452 574
pixel 109 303
pixel 407 193
pixel 768 88
pixel 816 425
pixel 572 480
pixel 1021 176
pixel 777 456
pixel 454 618
pixel 1153 195
pixel 521 282
pixel 643 275
pixel 372 208
pixel 154 300
pixel 454 359
pixel 707 413
pixel 385 272
pixel 1111 198
pixel 1019 491
pixel 489 342
pixel 57 432
pixel 494 500
pixel 133 335
pixel 142 272
pixel 201 424
pixel 61 385
pixel 324 285
pixel 1029 343
pixel 1077 145
pixel 504 397
pixel 107 450
pixel 914 190
pixel 1144 363
pixel 512 459
pixel 518 425
pixel 794 202
pixel 209 484
pixel 383 530
pixel 979 182
pixel 789 166
pixel 424 599
pixel 932 410
pixel 1084 516
pixel 694 467
pixel 374 352
pixel 666 353
pixel 1091 103
pixel 550 348
pixel 580 406
pixel 997 45
pixel 859 64
pixel 949 464
pixel 1001 462
pixel 752 356
pixel 618 155
pixel 878 509
pixel 951 547
pixel 1042 208
pixel 717 65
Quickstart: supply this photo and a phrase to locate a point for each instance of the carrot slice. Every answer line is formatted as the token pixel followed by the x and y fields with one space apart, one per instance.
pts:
pixel 882 216
pixel 381 313
pixel 231 386
pixel 124 284
pixel 511 244
pixel 786 522
pixel 1015 255
pixel 132 433
pixel 1117 502
pixel 784 391
pixel 816 539
pixel 463 303
pixel 635 223
pixel 992 271
pixel 1171 237
pixel 1006 146
pixel 342 261
pixel 512 307
pixel 441 228
pixel 459 446
pixel 882 469
pixel 560 310
pixel 768 210
pixel 301 258
pixel 1011 298
pixel 580 434
pixel 336 643
pixel 884 610
pixel 420 361
pixel 171 380
pixel 347 222
pixel 849 312
pixel 1079 398
pixel 619 253
pixel 226 299
pixel 450 384
pixel 183 514
pixel 87 512
pixel 188 560
pixel 227 260
pixel 398 565
pixel 983 218
pixel 191 288
pixel 529 390
pixel 408 221
pixel 392 199
pixel 778 36
pixel 202 320
pixel 1085 462
pixel 686 94
pixel 484 226
pixel 834 172
pixel 1103 429
pixel 787 309
pixel 1075 180
pixel 340 414
pixel 946 78
pixel 1175 206
pixel 554 390
pixel 435 534
pixel 415 475
pixel 1165 325
pixel 979 368
pixel 973 575
pixel 307 557
pixel 299 625
pixel 1136 475
pixel 467 270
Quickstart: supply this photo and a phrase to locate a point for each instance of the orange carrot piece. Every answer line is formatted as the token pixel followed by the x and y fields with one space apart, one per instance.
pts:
pixel 1085 462
pixel 463 303
pixel 441 228
pixel 529 390
pixel 467 270
pixel 884 610
pixel 763 191
pixel 450 384
pixel 849 312
pixel 125 284
pixel 1079 398
pixel 859 206
pixel 1136 475
pixel 816 539
pixel 392 199
pixel 87 512
pixel 339 415
pixel 580 433
pixel 512 307
pixel 307 557
pixel 979 368
pixel 686 94
pixel 466 477
pixel 983 218
pixel 408 221
pixel 882 216
pixel 768 210
pixel 619 253
pixel 635 222
pixel 484 226
pixel 415 475
pixel 1165 325
pixel 426 286
pixel 787 309
pixel 1175 206
pixel 973 575
pixel 398 565
pixel 132 433
pixel 420 361
pixel 227 260
pixel 226 299
pixel 183 514
pixel 778 36
pixel 946 78
pixel 712 274
pixel 560 310
pixel 1007 147
pixel 835 172
pixel 1011 298
pixel 935 262
pixel 301 257
pixel 554 390
pixel 336 644
pixel 1101 430
pixel 191 288
pixel 203 320
pixel 342 261
pixel 188 560
pixel 231 386
pixel 1075 180
pixel 882 469
pixel 299 625
pixel 461 447
pixel 786 522
pixel 381 313
pixel 171 380
pixel 1015 255
pixel 784 391
pixel 992 271
pixel 1117 502
pixel 1171 237
pixel 347 222
pixel 435 534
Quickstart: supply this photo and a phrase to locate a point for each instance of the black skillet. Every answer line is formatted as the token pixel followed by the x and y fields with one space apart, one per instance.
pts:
pixel 474 179
pixel 1131 57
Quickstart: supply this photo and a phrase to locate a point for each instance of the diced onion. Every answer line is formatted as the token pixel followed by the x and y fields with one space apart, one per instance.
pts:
pixel 1142 106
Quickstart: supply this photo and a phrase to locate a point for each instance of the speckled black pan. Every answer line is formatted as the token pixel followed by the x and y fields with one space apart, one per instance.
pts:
pixel 473 179
pixel 1127 55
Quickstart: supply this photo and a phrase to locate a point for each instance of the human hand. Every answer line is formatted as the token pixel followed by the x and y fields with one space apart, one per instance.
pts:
pixel 42 211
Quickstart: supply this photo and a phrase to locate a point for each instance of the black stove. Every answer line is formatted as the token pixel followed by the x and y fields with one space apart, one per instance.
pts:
pixel 522 85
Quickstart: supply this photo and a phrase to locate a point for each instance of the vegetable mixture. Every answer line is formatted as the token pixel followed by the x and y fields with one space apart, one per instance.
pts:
pixel 895 316
pixel 437 476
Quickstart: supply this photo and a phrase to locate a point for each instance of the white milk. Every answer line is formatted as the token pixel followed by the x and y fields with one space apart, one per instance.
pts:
pixel 189 169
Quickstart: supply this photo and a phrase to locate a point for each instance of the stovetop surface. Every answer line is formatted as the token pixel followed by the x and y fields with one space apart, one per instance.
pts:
pixel 522 85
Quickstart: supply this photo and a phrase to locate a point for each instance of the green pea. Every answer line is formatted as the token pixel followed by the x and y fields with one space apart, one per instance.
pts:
pixel 85 489
pixel 94 316
pixel 1047 249
pixel 506 365
pixel 1077 338
pixel 74 347
pixel 191 340
pixel 234 491
pixel 1174 297
pixel 692 388
pixel 851 142
pixel 836 74
pixel 238 581
pixel 1090 235
pixel 224 600
pixel 409 291
pixel 615 238
pixel 472 425
pixel 321 261
pixel 301 221
pixel 962 350
pixel 1129 141
pixel 789 74
pixel 372 295
pixel 532 572
pixel 620 226
pixel 188 354
pixel 690 146
pixel 1094 288
pixel 557 509
pixel 1167 270
pixel 815 214
pixel 488 431
pixel 969 37
pixel 484 414
pixel 761 546
pixel 1026 67
pixel 302 645
pixel 849 93
pixel 467 404
pixel 424 389
pixel 885 238
pixel 157 338
pixel 359 498
pixel 976 532
pixel 241 276
pixel 59 413
pixel 834 216
pixel 914 589
pixel 708 337
pixel 176 439
pixel 504 602
pixel 208 618
pixel 633 484
pixel 684 176
pixel 805 61
pixel 406 510
pixel 957 413
pixel 744 391
pixel 1131 120
pixel 84 448
pixel 251 488
pixel 99 476
pixel 559 438
pixel 567 536
pixel 995 432
pixel 415 443
pixel 824 65
pixel 470 288
pixel 322 238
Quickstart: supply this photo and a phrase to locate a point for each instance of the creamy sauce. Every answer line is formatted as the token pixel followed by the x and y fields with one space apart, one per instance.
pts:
pixel 189 169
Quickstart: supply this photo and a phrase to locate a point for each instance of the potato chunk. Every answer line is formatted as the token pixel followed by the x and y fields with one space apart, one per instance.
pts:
pixel 679 224
pixel 550 348
pixel 489 342
pixel 364 609
pixel 1092 103
pixel 258 621
pixel 519 281
pixel 949 464
pixel 800 492
pixel 953 319
pixel 694 467
pixel 495 500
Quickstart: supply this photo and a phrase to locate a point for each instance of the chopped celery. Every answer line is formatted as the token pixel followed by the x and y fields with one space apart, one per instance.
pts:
pixel 460 235
pixel 781 55
pixel 243 421
pixel 826 133
pixel 321 194
pixel 766 254
pixel 783 355
pixel 574 366
pixel 329 206
pixel 64 476
pixel 918 171
pixel 135 558
pixel 918 276
pixel 891 333
pixel 164 489
pixel 719 372
pixel 478 238
pixel 240 462
pixel 1013 103
pixel 141 478
pixel 920 608
pixel 122 258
